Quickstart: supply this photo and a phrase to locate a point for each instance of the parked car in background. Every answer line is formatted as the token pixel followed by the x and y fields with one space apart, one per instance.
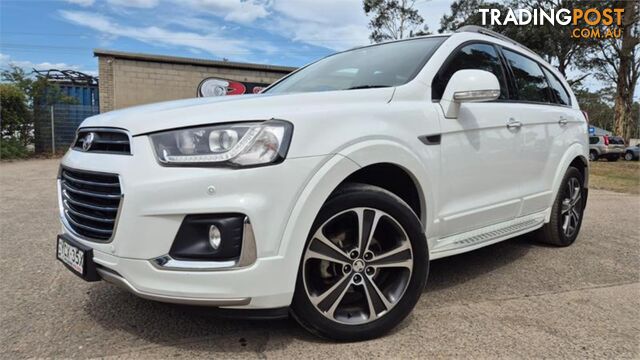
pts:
pixel 604 146
pixel 632 153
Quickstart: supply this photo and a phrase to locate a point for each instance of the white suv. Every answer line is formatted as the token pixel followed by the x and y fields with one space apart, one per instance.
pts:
pixel 327 195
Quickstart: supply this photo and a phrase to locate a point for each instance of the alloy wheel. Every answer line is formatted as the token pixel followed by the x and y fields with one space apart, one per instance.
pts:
pixel 571 207
pixel 357 266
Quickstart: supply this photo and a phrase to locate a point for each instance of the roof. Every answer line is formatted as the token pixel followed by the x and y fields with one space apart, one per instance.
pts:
pixel 191 61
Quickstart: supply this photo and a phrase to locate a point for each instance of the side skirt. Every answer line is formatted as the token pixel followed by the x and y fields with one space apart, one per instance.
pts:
pixel 475 239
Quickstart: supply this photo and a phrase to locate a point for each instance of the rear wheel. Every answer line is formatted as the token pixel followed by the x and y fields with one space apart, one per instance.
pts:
pixel 364 266
pixel 628 156
pixel 567 211
pixel 593 156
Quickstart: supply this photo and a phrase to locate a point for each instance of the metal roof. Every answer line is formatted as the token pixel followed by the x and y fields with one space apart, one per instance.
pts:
pixel 191 61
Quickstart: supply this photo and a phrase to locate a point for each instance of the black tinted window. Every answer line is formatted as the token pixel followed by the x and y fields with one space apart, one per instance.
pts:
pixel 561 94
pixel 384 65
pixel 476 57
pixel 593 140
pixel 530 81
pixel 616 140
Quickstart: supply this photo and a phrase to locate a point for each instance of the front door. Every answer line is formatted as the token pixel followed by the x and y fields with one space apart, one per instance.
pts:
pixel 480 161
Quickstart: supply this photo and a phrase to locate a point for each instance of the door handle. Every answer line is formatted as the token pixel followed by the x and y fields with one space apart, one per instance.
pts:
pixel 563 121
pixel 513 124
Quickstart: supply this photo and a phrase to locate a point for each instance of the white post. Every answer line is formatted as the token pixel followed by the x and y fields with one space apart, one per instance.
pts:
pixel 53 134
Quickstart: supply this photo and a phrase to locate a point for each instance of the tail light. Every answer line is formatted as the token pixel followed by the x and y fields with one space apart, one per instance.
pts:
pixel 606 140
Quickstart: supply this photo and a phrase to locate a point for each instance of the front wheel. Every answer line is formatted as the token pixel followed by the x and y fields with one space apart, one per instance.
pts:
pixel 593 156
pixel 567 211
pixel 364 266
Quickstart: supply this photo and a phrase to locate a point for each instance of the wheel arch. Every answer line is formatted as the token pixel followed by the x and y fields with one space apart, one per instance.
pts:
pixel 573 156
pixel 335 171
pixel 393 178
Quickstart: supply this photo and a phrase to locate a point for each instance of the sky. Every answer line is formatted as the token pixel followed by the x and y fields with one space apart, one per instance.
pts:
pixel 63 33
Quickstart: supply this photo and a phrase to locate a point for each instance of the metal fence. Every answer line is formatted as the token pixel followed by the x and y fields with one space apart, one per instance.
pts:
pixel 55 126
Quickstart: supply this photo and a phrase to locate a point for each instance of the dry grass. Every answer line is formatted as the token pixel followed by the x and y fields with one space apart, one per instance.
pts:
pixel 621 176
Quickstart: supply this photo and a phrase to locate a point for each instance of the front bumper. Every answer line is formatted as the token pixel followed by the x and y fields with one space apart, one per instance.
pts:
pixel 156 200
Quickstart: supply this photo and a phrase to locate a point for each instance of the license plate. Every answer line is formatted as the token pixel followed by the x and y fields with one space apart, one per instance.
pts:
pixel 77 258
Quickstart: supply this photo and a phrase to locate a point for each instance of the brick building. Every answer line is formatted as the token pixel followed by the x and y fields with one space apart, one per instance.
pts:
pixel 128 79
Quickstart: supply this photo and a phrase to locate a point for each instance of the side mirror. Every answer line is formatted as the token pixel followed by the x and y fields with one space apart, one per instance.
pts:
pixel 468 86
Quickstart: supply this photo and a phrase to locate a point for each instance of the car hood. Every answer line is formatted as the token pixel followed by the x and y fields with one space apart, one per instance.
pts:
pixel 202 111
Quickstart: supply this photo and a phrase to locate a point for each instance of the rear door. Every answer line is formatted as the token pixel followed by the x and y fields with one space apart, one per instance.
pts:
pixel 616 145
pixel 545 123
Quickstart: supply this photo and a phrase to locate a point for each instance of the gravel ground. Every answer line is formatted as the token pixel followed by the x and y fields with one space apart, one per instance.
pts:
pixel 515 299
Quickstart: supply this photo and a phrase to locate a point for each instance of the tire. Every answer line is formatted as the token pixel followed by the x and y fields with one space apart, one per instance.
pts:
pixel 593 156
pixel 337 297
pixel 628 156
pixel 570 201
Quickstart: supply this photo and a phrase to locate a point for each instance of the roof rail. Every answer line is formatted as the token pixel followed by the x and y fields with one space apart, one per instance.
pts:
pixel 497 35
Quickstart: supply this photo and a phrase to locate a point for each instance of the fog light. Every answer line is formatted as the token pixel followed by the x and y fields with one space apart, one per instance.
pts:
pixel 215 237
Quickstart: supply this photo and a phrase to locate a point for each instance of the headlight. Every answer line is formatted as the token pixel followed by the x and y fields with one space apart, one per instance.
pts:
pixel 239 144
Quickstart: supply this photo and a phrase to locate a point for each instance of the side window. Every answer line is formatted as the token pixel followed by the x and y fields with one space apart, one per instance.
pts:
pixel 475 57
pixel 530 81
pixel 593 140
pixel 561 94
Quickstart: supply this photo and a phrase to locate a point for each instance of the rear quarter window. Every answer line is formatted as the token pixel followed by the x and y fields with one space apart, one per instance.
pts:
pixel 593 140
pixel 616 140
pixel 560 93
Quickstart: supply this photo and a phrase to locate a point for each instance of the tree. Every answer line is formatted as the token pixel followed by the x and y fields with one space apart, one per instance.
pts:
pixel 465 12
pixel 14 114
pixel 616 61
pixel 25 100
pixel 37 91
pixel 599 105
pixel 393 19
pixel 552 43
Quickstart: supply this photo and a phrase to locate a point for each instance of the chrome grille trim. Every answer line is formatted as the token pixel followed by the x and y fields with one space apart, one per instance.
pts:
pixel 89 203
pixel 107 141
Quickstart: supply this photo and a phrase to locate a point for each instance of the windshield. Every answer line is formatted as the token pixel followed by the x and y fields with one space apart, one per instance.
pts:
pixel 384 65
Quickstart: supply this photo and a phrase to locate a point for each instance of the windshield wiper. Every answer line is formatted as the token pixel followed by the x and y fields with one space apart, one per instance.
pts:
pixel 367 87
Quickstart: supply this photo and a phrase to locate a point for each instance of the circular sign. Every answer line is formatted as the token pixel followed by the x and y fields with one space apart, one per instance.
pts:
pixel 220 87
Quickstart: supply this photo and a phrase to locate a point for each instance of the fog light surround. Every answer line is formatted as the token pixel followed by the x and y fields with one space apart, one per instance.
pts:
pixel 209 237
pixel 192 250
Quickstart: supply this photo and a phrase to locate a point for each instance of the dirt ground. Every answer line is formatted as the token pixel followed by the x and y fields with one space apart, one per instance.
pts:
pixel 516 299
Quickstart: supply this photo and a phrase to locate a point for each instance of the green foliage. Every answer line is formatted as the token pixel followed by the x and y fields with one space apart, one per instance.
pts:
pixel 599 106
pixel 12 149
pixel 465 12
pixel 17 122
pixel 393 19
pixel 553 43
pixel 37 91
pixel 23 100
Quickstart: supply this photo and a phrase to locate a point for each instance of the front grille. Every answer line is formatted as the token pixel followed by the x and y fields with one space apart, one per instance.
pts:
pixel 90 202
pixel 113 141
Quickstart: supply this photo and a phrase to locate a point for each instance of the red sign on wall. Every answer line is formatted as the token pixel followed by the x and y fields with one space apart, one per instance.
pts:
pixel 223 87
